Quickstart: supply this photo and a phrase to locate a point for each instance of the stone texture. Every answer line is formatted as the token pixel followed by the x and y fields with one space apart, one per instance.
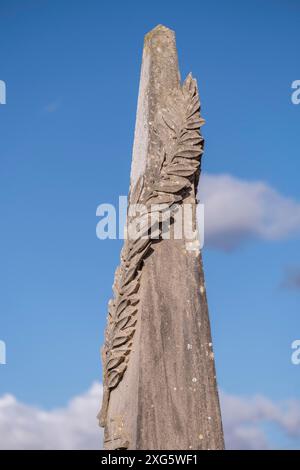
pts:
pixel 159 373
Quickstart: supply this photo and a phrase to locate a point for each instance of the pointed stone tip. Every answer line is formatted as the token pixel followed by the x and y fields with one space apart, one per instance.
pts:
pixel 158 29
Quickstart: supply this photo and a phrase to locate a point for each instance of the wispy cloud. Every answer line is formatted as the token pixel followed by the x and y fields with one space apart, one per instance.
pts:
pixel 52 107
pixel 238 210
pixel 75 426
pixel 291 278
pixel 244 418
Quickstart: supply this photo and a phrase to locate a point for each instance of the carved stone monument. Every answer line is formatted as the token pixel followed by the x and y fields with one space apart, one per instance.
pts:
pixel 160 388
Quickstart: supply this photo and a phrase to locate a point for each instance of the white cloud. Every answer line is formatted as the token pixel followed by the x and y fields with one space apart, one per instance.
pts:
pixel 75 426
pixel 72 427
pixel 243 418
pixel 237 210
pixel 52 107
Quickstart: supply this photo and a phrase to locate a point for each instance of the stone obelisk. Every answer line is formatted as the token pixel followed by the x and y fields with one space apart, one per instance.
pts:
pixel 160 389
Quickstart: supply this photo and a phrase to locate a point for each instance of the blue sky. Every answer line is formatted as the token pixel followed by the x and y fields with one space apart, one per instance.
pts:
pixel 72 74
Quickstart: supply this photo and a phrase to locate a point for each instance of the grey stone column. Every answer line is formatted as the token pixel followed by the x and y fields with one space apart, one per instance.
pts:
pixel 160 383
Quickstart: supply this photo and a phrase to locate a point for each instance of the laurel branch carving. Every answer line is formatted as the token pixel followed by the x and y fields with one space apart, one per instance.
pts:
pixel 178 173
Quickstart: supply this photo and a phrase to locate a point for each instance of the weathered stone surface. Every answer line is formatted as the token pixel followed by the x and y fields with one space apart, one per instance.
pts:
pixel 160 388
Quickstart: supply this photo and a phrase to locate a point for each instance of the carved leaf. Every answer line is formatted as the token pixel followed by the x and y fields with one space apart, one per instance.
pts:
pixel 181 170
pixel 188 152
pixel 116 375
pixel 127 322
pixel 123 322
pixel 138 247
pixel 168 186
pixel 131 289
pixel 194 107
pixel 134 299
pixel 129 275
pixel 114 362
pixel 190 141
pixel 138 258
pixel 164 198
pixel 122 338
pixel 195 123
pixel 121 306
pixel 132 310
pixel 169 121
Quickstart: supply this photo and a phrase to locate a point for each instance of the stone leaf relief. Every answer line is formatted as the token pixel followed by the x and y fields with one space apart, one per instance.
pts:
pixel 178 174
